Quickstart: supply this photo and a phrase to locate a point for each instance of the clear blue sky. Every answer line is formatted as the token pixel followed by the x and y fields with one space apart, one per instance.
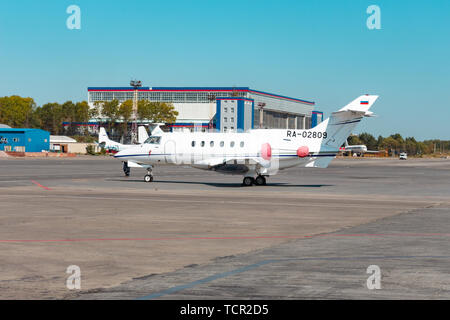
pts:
pixel 316 50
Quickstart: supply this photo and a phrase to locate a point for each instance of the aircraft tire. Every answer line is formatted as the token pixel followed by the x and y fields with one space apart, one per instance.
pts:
pixel 148 178
pixel 248 181
pixel 260 181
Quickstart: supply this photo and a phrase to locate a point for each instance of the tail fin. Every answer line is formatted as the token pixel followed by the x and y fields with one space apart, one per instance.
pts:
pixel 361 104
pixel 341 123
pixel 102 136
pixel 142 134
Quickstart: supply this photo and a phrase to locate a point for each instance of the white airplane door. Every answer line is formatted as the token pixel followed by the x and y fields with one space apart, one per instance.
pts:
pixel 170 152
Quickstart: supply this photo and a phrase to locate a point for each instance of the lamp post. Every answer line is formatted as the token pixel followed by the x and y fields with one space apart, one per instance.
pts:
pixel 211 98
pixel 136 85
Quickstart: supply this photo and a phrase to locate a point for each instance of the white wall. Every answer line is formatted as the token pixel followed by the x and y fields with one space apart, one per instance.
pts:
pixel 195 111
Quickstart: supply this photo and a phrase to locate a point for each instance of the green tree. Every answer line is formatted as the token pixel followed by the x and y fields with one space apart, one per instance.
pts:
pixel 391 144
pixel 16 111
pixel 68 110
pixel 380 142
pixel 51 116
pixel 354 140
pixel 95 111
pixel 83 113
pixel 125 112
pixel 411 145
pixel 110 110
pixel 398 137
pixel 165 112
pixel 144 110
pixel 157 111
pixel 369 140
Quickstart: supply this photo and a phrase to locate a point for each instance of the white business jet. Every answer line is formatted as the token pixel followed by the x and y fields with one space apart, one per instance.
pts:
pixel 255 154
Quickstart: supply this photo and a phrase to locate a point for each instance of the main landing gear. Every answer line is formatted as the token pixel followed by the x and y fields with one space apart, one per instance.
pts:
pixel 149 176
pixel 258 181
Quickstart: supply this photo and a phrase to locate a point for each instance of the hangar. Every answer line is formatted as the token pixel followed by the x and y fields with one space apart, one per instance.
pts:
pixel 202 108
pixel 24 140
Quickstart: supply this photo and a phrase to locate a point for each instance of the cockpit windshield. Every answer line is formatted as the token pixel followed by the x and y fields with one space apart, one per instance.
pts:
pixel 153 140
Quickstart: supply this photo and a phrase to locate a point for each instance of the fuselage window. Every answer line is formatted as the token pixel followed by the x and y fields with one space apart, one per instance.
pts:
pixel 242 144
pixel 232 144
pixel 211 144
pixel 202 143
pixel 222 143
pixel 193 143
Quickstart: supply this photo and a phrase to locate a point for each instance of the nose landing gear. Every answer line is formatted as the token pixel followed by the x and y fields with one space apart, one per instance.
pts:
pixel 149 176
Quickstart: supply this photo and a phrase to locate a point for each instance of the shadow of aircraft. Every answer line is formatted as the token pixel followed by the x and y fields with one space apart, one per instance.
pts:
pixel 222 184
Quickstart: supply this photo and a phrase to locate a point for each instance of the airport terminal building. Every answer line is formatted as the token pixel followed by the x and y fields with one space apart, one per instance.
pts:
pixel 220 108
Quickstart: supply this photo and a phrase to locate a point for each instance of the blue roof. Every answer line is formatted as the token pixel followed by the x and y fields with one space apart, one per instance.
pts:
pixel 20 130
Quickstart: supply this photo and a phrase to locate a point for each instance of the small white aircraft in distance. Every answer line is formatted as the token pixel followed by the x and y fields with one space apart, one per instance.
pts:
pixel 110 145
pixel 255 154
pixel 357 149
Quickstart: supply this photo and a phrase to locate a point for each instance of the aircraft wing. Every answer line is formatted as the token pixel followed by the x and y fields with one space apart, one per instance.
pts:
pixel 133 164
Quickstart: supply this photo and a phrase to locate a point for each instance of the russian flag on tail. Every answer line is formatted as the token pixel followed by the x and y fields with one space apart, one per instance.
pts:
pixel 364 102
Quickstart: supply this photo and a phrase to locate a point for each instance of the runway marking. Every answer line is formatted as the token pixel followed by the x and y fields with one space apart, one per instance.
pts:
pixel 379 235
pixel 266 262
pixel 40 185
pixel 300 204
